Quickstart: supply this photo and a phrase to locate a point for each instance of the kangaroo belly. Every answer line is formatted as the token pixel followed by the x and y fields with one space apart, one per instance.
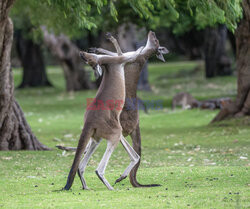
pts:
pixel 106 123
pixel 128 120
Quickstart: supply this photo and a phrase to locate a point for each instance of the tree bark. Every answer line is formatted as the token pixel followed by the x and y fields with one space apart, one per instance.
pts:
pixel 15 133
pixel 216 60
pixel 31 57
pixel 241 106
pixel 68 55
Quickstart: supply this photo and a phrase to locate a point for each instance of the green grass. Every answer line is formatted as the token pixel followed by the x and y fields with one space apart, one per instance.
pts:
pixel 198 165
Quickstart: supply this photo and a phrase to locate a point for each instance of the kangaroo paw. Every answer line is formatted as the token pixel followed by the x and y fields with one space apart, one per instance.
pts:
pixel 108 35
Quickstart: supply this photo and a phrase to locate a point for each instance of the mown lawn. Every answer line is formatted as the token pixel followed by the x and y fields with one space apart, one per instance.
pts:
pixel 199 165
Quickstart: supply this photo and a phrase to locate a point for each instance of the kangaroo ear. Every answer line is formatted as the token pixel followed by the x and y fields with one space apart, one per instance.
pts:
pixel 163 50
pixel 160 56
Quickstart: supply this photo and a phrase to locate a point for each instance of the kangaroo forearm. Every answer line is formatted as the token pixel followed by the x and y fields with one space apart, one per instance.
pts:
pixel 104 51
pixel 116 45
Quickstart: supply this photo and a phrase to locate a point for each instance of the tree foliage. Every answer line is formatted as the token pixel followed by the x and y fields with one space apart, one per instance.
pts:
pixel 70 16
pixel 183 15
pixel 179 15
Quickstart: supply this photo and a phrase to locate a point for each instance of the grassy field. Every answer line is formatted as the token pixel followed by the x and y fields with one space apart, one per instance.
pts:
pixel 198 165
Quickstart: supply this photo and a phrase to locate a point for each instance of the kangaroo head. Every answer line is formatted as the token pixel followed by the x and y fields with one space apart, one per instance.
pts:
pixel 153 42
pixel 92 60
pixel 89 58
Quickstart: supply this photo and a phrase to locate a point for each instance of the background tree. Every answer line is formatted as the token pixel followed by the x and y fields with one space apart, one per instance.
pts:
pixel 32 61
pixel 67 53
pixel 15 133
pixel 241 106
pixel 28 48
pixel 216 60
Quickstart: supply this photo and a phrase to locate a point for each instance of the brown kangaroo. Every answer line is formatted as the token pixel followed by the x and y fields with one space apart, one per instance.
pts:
pixel 185 100
pixel 104 123
pixel 129 117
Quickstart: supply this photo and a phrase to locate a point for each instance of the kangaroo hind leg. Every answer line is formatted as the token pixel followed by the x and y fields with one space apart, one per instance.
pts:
pixel 92 146
pixel 111 145
pixel 134 159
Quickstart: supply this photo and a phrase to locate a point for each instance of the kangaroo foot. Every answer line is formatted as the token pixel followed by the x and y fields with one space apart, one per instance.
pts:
pixel 120 179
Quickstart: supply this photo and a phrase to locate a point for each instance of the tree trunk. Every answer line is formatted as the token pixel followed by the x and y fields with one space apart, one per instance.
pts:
pixel 216 60
pixel 30 54
pixel 241 106
pixel 68 55
pixel 15 133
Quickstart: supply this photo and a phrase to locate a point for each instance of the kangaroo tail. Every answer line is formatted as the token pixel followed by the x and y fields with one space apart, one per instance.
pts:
pixel 84 139
pixel 136 138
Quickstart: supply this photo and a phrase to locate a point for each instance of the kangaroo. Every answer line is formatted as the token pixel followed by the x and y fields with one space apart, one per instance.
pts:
pixel 104 123
pixel 185 100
